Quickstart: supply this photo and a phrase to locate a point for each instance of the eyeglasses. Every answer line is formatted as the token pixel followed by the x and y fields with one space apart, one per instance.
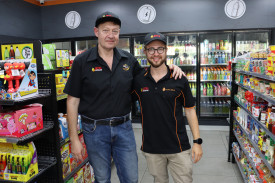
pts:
pixel 108 31
pixel 151 50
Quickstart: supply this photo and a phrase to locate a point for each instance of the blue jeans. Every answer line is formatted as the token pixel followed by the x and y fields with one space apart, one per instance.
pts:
pixel 104 141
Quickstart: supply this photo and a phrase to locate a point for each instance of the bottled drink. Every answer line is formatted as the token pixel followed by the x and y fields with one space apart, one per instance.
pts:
pixel 201 89
pixel 216 57
pixel 6 53
pixel 206 58
pixel 208 107
pixel 204 90
pixel 217 45
pixel 223 58
pixel 220 107
pixel 12 54
pixel 17 53
pixel 219 57
pixel 209 58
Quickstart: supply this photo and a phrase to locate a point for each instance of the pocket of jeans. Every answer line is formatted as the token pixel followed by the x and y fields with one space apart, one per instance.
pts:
pixel 88 127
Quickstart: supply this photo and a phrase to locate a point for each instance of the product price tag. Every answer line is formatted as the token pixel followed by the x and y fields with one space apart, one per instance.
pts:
pixel 15 72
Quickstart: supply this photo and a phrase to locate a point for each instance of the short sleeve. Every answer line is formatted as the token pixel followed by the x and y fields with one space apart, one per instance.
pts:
pixel 73 85
pixel 137 68
pixel 188 99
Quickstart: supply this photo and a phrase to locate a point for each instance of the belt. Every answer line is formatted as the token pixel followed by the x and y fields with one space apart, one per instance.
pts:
pixel 114 121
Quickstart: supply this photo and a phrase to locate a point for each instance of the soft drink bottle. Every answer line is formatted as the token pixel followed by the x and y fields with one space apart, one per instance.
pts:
pixel 219 57
pixel 209 58
pixel 216 58
pixel 223 58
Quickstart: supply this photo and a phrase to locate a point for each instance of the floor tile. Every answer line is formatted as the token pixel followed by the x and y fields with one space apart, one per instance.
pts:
pixel 214 179
pixel 213 167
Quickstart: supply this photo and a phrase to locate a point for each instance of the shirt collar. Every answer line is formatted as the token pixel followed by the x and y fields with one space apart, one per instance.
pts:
pixel 94 54
pixel 167 76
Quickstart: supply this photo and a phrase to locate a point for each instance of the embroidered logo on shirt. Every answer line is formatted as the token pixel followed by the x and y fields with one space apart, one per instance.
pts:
pixel 144 89
pixel 97 69
pixel 126 67
pixel 167 89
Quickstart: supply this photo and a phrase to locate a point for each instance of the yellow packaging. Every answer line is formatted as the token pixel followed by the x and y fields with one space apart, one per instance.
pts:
pixel 272 47
pixel 59 79
pixel 59 89
pixel 33 168
pixel 270 71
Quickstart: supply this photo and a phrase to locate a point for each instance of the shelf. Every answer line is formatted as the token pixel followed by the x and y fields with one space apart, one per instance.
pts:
pixel 64 141
pixel 216 96
pixel 187 65
pixel 262 76
pixel 270 134
pixel 227 51
pixel 30 137
pixel 257 149
pixel 13 102
pixel 214 64
pixel 61 97
pixel 217 80
pixel 240 168
pixel 44 164
pixel 214 115
pixel 266 98
pixel 192 81
pixel 76 170
pixel 247 156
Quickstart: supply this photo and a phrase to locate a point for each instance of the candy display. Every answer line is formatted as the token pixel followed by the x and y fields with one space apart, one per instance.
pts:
pixel 18 163
pixel 17 122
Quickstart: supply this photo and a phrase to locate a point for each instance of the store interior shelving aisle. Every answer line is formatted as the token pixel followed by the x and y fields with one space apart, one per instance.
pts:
pixel 212 168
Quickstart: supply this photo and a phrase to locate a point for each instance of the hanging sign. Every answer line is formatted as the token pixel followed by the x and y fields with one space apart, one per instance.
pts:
pixel 146 14
pixel 72 19
pixel 235 8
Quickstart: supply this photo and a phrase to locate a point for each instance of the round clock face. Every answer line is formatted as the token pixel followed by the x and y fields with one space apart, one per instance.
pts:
pixel 146 14
pixel 72 19
pixel 235 8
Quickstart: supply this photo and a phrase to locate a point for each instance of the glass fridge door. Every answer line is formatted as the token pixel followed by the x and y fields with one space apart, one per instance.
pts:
pixel 182 51
pixel 251 42
pixel 215 53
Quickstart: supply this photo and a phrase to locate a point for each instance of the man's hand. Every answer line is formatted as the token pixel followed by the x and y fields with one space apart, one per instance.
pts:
pixel 177 72
pixel 77 150
pixel 196 152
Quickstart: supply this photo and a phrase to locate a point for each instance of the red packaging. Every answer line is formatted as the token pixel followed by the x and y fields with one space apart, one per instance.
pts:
pixel 21 122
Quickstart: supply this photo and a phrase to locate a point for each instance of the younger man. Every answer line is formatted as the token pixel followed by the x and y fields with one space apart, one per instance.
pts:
pixel 165 142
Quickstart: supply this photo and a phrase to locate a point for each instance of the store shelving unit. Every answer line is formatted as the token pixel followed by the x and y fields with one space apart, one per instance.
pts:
pixel 247 156
pixel 75 170
pixel 255 147
pixel 240 167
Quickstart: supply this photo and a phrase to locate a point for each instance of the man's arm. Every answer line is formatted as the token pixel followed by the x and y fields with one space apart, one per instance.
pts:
pixel 72 111
pixel 194 126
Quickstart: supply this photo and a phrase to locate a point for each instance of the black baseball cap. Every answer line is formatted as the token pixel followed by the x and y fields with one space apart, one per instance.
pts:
pixel 107 17
pixel 152 36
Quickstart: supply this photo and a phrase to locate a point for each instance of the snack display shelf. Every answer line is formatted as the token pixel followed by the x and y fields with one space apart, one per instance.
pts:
pixel 214 64
pixel 14 102
pixel 30 137
pixel 64 141
pixel 241 168
pixel 247 156
pixel 217 80
pixel 267 98
pixel 61 97
pixel 75 170
pixel 257 149
pixel 215 96
pixel 262 76
pixel 270 134
pixel 44 163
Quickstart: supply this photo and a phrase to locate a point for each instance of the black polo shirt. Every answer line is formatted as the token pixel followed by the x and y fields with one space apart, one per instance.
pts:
pixel 161 105
pixel 103 92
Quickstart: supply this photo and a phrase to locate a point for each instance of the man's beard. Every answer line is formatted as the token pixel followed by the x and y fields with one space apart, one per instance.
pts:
pixel 156 65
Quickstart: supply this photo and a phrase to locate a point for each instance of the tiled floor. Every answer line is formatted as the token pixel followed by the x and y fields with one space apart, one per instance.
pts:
pixel 212 168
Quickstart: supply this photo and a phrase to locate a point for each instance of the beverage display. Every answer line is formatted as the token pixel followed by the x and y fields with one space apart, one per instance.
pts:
pixel 251 42
pixel 215 54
